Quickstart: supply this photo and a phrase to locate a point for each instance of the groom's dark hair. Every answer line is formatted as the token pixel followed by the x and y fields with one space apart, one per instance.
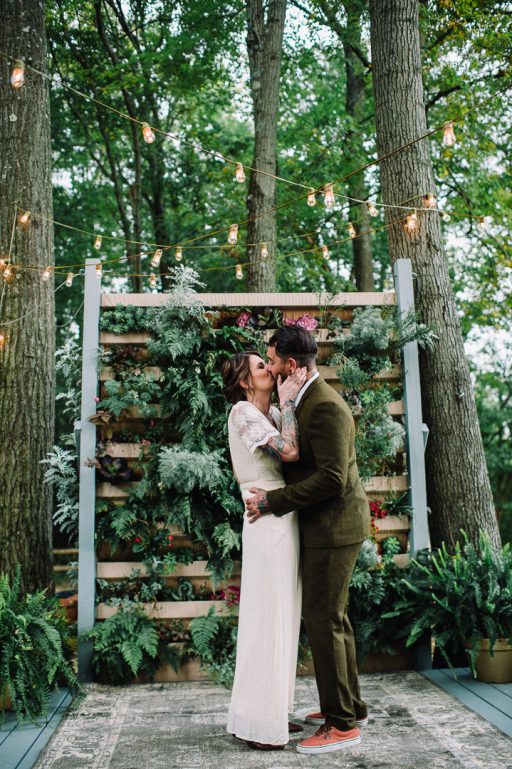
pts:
pixel 294 342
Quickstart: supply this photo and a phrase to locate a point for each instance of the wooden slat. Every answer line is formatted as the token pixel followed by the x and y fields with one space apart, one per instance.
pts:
pixel 381 483
pixel 139 337
pixel 66 551
pixel 124 569
pixel 306 301
pixel 169 609
pixel 151 372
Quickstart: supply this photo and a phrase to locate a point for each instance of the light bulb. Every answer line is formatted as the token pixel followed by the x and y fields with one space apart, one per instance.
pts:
pixel 152 280
pixel 445 216
pixel 239 272
pixel 147 133
pixel 156 257
pixel 7 272
pixel 411 223
pixel 47 273
pixel 239 173
pixel 2 340
pixel 429 201
pixel 24 218
pixel 448 134
pixel 263 251
pixel 328 196
pixel 311 199
pixel 2 263
pixel 372 209
pixel 351 230
pixel 98 271
pixel 97 242
pixel 325 252
pixel 233 234
pixel 69 279
pixel 179 254
pixel 18 74
pixel 482 223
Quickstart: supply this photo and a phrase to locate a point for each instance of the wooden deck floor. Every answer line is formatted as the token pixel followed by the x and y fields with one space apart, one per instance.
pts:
pixel 21 744
pixel 491 701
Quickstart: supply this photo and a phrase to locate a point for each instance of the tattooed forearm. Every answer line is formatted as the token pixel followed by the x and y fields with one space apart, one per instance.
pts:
pixel 286 445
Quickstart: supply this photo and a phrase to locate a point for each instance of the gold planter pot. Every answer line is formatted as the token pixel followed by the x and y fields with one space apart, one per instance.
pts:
pixel 495 669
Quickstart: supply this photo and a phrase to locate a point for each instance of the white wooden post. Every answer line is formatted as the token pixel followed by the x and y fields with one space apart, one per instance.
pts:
pixel 417 434
pixel 86 433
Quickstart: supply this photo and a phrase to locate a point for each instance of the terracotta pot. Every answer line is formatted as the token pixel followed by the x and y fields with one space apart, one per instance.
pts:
pixel 495 669
pixel 69 602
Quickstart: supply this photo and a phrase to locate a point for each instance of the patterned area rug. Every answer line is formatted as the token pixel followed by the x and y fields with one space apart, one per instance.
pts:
pixel 413 724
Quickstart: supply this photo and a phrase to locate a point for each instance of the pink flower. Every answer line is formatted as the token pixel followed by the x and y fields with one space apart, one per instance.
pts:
pixel 243 319
pixel 307 321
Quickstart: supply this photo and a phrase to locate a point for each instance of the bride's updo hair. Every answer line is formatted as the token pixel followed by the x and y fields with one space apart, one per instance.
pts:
pixel 234 371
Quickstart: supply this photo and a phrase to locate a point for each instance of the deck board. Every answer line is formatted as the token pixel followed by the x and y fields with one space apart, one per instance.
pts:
pixel 21 744
pixel 491 701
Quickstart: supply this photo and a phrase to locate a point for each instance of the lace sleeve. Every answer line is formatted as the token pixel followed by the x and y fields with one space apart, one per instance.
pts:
pixel 251 425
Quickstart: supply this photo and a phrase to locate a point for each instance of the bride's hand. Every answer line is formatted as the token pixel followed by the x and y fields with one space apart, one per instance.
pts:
pixel 289 389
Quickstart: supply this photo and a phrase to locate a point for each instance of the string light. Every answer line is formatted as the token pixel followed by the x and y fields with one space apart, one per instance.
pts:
pixel 2 263
pixel 7 272
pixel 97 242
pixel 482 223
pixel 98 271
pixel 325 252
pixel 179 254
pixel 311 198
pixel 47 273
pixel 429 201
pixel 2 340
pixel 445 216
pixel 372 209
pixel 411 223
pixel 239 272
pixel 263 251
pixel 157 256
pixel 147 133
pixel 448 134
pixel 69 279
pixel 233 234
pixel 351 230
pixel 239 173
pixel 24 218
pixel 152 280
pixel 328 196
pixel 18 74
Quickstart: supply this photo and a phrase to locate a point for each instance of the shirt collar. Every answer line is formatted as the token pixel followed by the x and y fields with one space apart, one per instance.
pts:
pixel 305 387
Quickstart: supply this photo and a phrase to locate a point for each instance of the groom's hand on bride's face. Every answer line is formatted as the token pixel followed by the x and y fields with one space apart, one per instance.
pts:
pixel 257 505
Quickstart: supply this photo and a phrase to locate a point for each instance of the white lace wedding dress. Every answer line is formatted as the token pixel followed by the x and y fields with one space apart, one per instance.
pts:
pixel 270 597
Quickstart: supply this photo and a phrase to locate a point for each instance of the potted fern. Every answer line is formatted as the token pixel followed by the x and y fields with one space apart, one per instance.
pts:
pixel 32 649
pixel 465 599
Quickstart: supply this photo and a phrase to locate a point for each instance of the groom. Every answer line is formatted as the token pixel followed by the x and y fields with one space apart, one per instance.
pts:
pixel 334 518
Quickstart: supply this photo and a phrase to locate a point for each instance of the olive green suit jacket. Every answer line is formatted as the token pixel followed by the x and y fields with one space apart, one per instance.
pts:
pixel 324 485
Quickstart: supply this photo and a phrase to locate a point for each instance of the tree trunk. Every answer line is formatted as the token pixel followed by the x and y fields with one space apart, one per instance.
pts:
pixel 27 386
pixel 264 45
pixel 354 103
pixel 457 480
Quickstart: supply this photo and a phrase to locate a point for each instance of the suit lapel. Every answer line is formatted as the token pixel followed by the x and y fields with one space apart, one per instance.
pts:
pixel 311 389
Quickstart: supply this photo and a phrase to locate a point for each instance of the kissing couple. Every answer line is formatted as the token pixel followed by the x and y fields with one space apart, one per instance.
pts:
pixel 306 517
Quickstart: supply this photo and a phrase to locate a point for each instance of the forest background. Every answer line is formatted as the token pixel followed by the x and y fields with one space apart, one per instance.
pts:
pixel 184 68
pixel 195 71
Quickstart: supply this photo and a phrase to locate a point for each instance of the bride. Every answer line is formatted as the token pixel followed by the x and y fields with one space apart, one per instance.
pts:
pixel 261 436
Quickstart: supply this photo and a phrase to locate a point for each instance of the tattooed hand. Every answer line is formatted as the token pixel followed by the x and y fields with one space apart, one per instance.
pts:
pixel 290 388
pixel 256 506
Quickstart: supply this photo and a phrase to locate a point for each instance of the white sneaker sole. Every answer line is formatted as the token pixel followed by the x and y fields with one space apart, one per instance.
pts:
pixel 319 721
pixel 329 747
